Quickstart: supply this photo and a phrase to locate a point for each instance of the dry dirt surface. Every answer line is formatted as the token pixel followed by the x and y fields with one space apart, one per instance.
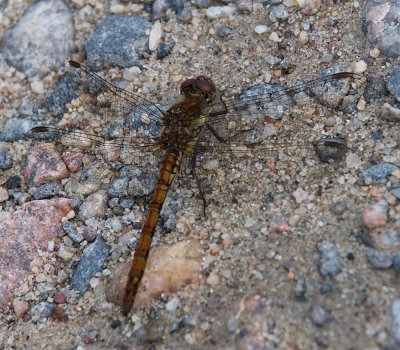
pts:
pixel 290 252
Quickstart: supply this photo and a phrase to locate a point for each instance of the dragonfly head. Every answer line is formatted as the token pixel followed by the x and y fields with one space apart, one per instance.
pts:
pixel 199 87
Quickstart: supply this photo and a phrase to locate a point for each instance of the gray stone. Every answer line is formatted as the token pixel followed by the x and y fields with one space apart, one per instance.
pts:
pixel 331 92
pixel 378 23
pixel 72 232
pixel 393 84
pixel 273 106
pixel 278 13
pixel 119 40
pixel 118 187
pixel 380 259
pixel 375 88
pixel 395 321
pixel 6 160
pixel 319 315
pixel 330 262
pixel 396 261
pixel 379 172
pixel 63 93
pixel 90 263
pixel 41 312
pixel 16 129
pixel 41 40
pixel 224 31
pixel 47 190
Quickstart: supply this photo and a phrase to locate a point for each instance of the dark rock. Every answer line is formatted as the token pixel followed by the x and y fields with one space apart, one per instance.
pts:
pixel 119 40
pixel 47 190
pixel 63 93
pixel 72 232
pixel 380 259
pixel 41 40
pixel 393 84
pixel 375 88
pixel 330 262
pixel 379 172
pixel 90 263
pixel 6 160
pixel 377 25
pixel 13 182
pixel 164 50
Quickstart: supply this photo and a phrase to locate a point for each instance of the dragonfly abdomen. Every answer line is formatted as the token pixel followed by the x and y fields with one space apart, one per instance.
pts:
pixel 169 167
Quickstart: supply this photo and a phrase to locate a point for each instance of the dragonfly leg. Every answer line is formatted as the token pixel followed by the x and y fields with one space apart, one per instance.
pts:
pixel 198 182
pixel 220 138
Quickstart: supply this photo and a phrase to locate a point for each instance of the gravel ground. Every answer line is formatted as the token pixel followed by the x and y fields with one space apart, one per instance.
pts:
pixel 295 253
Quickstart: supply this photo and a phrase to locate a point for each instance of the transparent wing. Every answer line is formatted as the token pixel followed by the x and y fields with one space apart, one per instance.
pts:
pixel 261 105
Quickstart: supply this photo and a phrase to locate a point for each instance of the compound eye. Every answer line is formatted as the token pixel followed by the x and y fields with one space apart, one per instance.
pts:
pixel 188 83
pixel 205 85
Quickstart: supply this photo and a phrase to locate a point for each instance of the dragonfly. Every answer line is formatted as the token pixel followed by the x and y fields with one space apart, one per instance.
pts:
pixel 201 120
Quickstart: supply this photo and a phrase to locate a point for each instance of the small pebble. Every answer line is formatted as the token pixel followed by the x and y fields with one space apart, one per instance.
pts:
pixel 380 259
pixel 151 332
pixel 6 160
pixel 396 261
pixel 214 12
pixel 47 190
pixel 395 320
pixel 172 305
pixel 213 279
pixel 299 195
pixel 375 215
pixel 353 161
pixel 72 232
pixel 21 307
pixel 66 253
pixel 393 84
pixel 359 67
pixel 223 32
pixel 374 53
pixel 309 7
pixel 330 262
pixel 260 29
pixel 3 194
pixel 89 264
pixel 319 315
pixel 274 36
pixel 60 298
pixel 379 172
